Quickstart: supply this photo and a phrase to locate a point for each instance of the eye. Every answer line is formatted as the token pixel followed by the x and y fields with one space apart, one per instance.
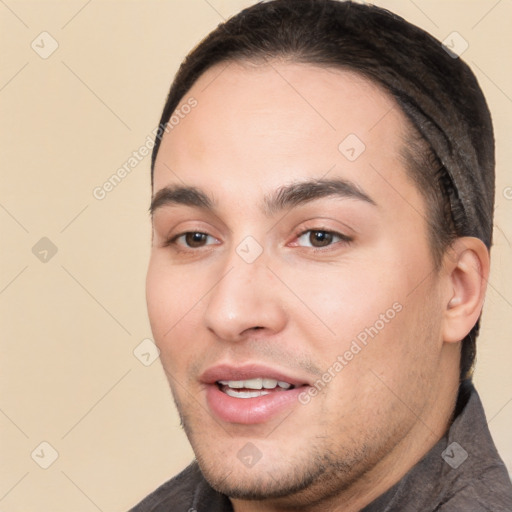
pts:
pixel 192 239
pixel 320 238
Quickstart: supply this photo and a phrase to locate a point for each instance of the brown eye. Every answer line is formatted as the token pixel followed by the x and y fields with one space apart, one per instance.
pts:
pixel 195 239
pixel 318 238
pixel 191 240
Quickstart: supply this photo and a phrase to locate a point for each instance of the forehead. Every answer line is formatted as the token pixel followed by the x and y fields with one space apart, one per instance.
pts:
pixel 258 126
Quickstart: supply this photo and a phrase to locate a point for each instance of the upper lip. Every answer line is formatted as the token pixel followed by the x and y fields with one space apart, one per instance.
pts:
pixel 246 372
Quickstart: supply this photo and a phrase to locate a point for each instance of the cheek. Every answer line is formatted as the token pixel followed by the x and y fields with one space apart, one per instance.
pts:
pixel 342 302
pixel 172 302
pixel 365 309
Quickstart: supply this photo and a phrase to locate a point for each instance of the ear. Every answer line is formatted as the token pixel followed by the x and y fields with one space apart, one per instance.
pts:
pixel 466 266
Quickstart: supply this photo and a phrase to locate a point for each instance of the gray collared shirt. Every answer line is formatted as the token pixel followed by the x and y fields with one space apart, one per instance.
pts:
pixel 461 473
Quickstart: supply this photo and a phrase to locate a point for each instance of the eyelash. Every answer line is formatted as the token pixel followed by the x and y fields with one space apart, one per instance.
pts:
pixel 344 239
pixel 173 241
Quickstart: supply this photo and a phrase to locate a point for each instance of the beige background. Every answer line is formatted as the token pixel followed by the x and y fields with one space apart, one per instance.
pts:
pixel 68 373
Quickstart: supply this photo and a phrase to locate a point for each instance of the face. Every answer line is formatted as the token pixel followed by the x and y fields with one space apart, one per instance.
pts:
pixel 291 288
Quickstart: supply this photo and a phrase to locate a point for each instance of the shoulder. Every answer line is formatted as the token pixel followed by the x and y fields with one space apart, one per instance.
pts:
pixel 492 492
pixel 478 480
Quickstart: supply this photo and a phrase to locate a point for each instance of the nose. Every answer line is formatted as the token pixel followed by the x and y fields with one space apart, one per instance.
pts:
pixel 243 300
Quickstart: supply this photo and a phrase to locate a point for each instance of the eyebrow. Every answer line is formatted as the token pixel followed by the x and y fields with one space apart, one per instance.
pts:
pixel 286 197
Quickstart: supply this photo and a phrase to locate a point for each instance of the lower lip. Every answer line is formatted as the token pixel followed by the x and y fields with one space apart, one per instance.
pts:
pixel 248 411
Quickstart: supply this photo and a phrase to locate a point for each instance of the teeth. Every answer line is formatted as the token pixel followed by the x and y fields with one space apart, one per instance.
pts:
pixel 257 383
pixel 245 394
pixel 269 383
pixel 233 383
pixel 253 383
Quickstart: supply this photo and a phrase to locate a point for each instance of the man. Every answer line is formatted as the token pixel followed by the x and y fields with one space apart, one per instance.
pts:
pixel 323 187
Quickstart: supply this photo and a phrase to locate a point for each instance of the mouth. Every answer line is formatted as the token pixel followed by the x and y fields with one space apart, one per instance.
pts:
pixel 250 394
pixel 252 388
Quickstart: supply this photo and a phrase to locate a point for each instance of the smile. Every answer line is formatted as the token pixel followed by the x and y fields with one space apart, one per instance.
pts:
pixel 252 388
pixel 250 394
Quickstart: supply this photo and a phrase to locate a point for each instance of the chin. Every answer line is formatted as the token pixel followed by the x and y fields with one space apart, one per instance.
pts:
pixel 263 483
pixel 296 479
pixel 286 470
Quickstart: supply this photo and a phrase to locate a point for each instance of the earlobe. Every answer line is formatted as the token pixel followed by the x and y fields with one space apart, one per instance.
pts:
pixel 466 265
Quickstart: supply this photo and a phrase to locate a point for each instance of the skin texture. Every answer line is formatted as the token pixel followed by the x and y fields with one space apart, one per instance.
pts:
pixel 296 308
